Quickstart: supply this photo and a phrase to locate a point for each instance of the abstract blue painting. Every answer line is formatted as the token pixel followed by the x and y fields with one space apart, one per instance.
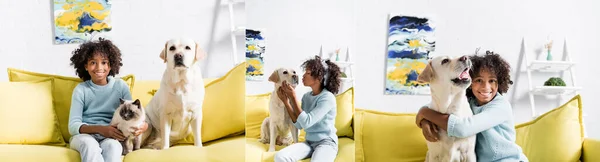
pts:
pixel 410 44
pixel 76 21
pixel 255 48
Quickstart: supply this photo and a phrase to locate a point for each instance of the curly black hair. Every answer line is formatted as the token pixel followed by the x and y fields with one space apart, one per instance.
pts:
pixel 86 51
pixel 492 63
pixel 318 71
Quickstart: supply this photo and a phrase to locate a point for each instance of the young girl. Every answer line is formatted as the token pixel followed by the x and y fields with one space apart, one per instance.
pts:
pixel 94 102
pixel 492 121
pixel 317 116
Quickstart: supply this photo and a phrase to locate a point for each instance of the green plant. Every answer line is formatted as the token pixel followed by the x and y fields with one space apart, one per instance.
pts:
pixel 343 75
pixel 555 81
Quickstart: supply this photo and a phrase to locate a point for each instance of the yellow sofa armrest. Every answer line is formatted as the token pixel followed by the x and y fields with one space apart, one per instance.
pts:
pixel 591 149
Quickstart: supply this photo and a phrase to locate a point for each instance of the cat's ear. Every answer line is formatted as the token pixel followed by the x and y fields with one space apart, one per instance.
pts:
pixel 137 103
pixel 121 100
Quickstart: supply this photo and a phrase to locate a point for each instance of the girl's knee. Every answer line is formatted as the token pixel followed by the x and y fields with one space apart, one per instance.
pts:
pixel 111 144
pixel 281 157
pixel 84 142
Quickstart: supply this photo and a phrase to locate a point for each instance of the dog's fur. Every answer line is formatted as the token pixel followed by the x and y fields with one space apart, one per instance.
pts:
pixel 276 128
pixel 128 117
pixel 175 110
pixel 448 83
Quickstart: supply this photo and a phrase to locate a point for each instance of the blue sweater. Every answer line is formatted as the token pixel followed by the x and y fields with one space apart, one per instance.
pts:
pixel 318 116
pixel 93 104
pixel 493 123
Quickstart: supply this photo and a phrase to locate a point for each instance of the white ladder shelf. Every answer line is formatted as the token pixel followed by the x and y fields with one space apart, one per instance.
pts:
pixel 239 30
pixel 347 64
pixel 562 66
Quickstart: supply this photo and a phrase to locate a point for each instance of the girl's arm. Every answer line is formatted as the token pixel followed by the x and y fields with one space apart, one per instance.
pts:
pixel 76 112
pixel 323 106
pixel 494 113
pixel 292 109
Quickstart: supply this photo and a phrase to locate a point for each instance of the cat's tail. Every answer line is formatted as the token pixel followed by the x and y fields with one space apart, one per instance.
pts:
pixel 152 141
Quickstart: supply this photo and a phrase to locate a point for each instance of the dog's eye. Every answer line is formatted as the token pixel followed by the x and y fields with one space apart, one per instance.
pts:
pixel 285 72
pixel 188 48
pixel 172 48
pixel 445 61
pixel 294 72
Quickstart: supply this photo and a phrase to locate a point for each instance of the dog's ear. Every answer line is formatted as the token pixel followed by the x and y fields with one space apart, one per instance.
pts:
pixel 121 100
pixel 163 53
pixel 427 75
pixel 274 77
pixel 199 53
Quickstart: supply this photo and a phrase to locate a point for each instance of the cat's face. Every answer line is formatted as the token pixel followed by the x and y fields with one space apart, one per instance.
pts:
pixel 130 110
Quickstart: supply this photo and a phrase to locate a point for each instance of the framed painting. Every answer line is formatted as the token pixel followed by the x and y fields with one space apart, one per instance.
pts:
pixel 410 42
pixel 255 49
pixel 77 21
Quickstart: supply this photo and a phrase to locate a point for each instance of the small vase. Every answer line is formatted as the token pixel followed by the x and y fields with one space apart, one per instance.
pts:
pixel 549 57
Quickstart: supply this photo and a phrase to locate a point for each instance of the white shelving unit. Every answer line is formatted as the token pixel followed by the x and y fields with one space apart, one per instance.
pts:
pixel 344 65
pixel 562 66
pixel 235 30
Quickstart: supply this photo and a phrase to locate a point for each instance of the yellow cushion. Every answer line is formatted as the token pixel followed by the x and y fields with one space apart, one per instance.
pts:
pixel 37 153
pixel 144 90
pixel 62 91
pixel 27 115
pixel 228 149
pixel 345 113
pixel 257 109
pixel 554 136
pixel 388 137
pixel 591 150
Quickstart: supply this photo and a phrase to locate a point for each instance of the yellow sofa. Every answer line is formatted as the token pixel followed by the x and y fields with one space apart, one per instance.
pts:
pixel 44 101
pixel 555 136
pixel 257 108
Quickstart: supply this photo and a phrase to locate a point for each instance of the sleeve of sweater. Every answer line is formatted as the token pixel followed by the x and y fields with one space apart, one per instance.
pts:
pixel 494 113
pixel 126 94
pixel 323 105
pixel 76 112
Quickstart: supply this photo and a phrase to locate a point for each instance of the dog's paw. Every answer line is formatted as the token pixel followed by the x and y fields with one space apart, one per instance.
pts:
pixel 287 143
pixel 126 151
pixel 264 141
pixel 271 149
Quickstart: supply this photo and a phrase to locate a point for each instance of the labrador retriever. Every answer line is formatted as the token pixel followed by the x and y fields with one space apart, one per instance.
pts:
pixel 175 110
pixel 276 128
pixel 448 79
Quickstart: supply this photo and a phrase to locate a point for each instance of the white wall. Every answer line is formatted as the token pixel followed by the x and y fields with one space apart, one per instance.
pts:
pixel 140 29
pixel 495 25
pixel 295 30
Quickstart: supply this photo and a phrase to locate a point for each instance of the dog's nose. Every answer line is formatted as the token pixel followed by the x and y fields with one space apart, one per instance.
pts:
pixel 463 58
pixel 295 77
pixel 178 56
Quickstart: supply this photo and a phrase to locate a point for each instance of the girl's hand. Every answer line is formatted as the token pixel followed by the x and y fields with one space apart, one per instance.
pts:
pixel 140 130
pixel 430 131
pixel 288 89
pixel 420 116
pixel 111 132
pixel 282 96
